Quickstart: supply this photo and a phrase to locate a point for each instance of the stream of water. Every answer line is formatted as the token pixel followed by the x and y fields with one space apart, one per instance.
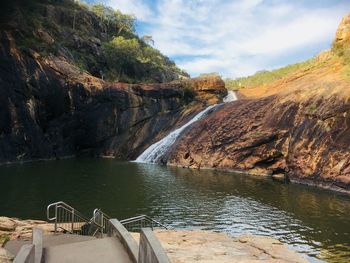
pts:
pixel 155 152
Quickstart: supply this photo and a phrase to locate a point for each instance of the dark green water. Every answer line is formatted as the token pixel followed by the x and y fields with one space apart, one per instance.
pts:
pixel 313 222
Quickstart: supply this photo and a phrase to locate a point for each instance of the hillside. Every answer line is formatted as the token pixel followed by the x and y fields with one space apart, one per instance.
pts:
pixel 296 126
pixel 97 39
pixel 58 97
pixel 327 67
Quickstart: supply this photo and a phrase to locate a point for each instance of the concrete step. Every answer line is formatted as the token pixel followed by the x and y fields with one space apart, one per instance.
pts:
pixel 99 250
pixel 14 246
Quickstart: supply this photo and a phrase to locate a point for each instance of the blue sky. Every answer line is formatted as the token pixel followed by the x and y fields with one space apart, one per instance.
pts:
pixel 236 38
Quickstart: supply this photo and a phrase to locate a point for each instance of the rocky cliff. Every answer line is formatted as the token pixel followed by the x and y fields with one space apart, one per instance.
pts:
pixel 52 108
pixel 297 126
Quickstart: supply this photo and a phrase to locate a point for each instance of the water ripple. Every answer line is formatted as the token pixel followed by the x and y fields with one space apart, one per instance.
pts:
pixel 313 222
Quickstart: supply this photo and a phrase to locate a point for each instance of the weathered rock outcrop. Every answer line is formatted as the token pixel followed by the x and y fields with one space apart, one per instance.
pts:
pixel 54 102
pixel 297 126
pixel 14 228
pixel 342 37
pixel 51 109
pixel 184 246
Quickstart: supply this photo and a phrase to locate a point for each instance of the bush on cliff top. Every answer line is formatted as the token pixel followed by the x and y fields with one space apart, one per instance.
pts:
pixel 132 57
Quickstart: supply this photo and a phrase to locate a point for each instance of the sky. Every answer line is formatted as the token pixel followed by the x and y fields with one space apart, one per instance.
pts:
pixel 236 37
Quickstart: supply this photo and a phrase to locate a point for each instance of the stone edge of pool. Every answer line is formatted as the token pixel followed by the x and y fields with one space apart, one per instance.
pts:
pixel 180 245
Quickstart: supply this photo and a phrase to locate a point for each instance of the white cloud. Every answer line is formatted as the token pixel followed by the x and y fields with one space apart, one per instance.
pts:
pixel 134 7
pixel 235 37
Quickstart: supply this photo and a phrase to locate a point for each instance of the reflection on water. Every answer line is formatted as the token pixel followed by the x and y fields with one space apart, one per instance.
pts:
pixel 314 222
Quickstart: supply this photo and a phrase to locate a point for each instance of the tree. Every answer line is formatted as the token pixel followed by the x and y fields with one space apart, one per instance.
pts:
pixel 148 39
pixel 121 22
pixel 124 22
pixel 122 55
pixel 99 10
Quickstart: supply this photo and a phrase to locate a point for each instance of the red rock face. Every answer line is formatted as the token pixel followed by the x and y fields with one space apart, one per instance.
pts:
pixel 307 143
pixel 297 126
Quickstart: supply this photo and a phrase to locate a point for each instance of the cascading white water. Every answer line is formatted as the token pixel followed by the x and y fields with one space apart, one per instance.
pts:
pixel 153 153
pixel 231 96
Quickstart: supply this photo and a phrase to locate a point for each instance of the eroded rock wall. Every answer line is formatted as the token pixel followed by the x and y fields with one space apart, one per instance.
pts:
pixel 304 140
pixel 296 127
pixel 51 109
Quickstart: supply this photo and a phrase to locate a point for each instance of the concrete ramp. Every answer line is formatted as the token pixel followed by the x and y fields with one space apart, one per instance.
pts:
pixel 99 250
pixel 14 246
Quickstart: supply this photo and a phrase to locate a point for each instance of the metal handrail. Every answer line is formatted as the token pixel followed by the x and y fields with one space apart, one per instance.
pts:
pixel 138 222
pixel 101 220
pixel 67 219
pixel 64 206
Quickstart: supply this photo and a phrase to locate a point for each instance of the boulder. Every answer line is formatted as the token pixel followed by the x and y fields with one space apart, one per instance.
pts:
pixel 6 224
pixel 342 37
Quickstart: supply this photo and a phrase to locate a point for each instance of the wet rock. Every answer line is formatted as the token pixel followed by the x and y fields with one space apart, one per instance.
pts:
pixel 279 177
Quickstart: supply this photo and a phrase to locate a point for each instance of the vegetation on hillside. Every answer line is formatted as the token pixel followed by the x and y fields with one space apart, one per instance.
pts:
pixel 343 52
pixel 340 52
pixel 264 77
pixel 96 38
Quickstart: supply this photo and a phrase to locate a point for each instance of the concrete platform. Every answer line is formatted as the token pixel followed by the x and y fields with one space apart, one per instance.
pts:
pixel 14 246
pixel 99 250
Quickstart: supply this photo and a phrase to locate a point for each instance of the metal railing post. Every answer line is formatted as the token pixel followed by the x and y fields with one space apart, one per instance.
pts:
pixel 102 224
pixel 73 220
pixel 55 218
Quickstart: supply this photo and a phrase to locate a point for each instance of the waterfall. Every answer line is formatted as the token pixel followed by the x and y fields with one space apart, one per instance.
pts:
pixel 231 96
pixel 153 153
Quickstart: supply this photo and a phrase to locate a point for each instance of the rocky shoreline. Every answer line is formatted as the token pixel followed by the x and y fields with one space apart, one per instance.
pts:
pixel 182 246
pixel 281 178
pixel 14 229
pixel 191 246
